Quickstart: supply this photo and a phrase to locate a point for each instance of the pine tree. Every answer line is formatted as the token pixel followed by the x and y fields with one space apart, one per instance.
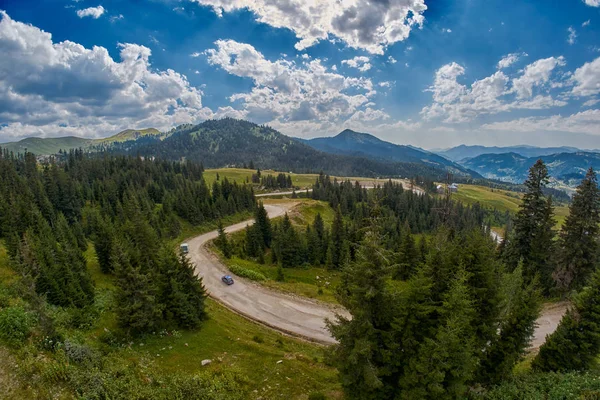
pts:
pixel 103 244
pixel 136 297
pixel 579 250
pixel 522 308
pixel 359 355
pixel 575 345
pixel 533 239
pixel 409 257
pixel 446 363
pixel 338 251
pixel 222 241
pixel 264 225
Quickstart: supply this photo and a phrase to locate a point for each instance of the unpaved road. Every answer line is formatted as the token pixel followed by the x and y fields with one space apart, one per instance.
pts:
pixel 289 314
pixel 292 314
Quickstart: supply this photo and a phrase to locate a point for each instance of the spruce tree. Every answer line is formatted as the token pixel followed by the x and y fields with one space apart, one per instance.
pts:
pixel 264 225
pixel 575 345
pixel 338 251
pixel 579 251
pixel 222 241
pixel 533 239
pixel 409 257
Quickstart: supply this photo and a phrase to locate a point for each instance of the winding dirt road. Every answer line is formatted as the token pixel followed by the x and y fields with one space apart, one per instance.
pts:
pixel 295 315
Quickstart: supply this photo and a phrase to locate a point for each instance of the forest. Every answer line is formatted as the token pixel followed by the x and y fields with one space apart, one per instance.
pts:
pixel 439 310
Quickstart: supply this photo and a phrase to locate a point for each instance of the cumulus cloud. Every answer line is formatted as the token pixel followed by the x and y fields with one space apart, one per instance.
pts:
pixel 587 79
pixel 572 35
pixel 50 89
pixel 359 62
pixel 509 60
pixel 586 23
pixel 285 91
pixel 592 3
pixel 94 12
pixel 371 25
pixel 591 102
pixel 454 102
pixel 392 60
pixel 583 122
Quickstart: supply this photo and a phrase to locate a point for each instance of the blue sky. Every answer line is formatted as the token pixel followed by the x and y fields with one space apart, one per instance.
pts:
pixel 427 73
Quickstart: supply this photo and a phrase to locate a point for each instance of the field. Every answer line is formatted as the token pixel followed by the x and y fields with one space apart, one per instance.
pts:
pixel 242 175
pixel 502 200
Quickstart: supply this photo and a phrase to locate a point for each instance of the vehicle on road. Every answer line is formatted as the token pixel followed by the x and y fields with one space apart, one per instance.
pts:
pixel 227 279
pixel 184 248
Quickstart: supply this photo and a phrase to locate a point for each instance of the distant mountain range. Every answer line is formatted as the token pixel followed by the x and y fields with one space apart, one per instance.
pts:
pixel 566 169
pixel 349 142
pixel 48 146
pixel 462 152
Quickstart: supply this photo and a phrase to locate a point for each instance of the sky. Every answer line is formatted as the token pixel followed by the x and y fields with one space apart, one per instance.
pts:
pixel 429 73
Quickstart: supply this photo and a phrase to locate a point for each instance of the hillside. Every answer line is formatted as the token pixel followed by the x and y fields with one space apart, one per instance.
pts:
pixel 359 144
pixel 48 146
pixel 231 142
pixel 463 151
pixel 566 169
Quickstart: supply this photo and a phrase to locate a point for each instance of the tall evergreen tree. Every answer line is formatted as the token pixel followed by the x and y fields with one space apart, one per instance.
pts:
pixel 222 241
pixel 338 248
pixel 579 249
pixel 264 225
pixel 533 239
pixel 575 345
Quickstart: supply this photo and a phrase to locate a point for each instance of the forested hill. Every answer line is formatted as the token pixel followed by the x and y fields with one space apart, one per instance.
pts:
pixel 219 143
pixel 349 142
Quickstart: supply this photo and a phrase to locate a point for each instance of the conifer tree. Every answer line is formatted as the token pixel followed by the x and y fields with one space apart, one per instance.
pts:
pixel 575 345
pixel 222 241
pixel 264 225
pixel 338 251
pixel 533 239
pixel 409 257
pixel 579 249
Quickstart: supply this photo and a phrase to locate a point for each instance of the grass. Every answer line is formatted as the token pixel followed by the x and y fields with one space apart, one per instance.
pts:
pixel 7 275
pixel 242 175
pixel 236 344
pixel 502 200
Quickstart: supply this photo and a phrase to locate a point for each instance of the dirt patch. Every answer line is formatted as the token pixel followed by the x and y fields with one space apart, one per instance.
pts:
pixel 548 321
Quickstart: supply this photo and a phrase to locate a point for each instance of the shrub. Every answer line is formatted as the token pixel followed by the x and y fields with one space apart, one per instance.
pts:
pixel 77 352
pixel 258 339
pixel 247 273
pixel 15 324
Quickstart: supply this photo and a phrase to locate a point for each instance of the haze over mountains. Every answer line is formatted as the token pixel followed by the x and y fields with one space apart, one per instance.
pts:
pixel 461 152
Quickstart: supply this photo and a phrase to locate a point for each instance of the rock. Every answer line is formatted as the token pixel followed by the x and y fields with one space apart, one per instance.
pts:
pixel 279 362
pixel 205 362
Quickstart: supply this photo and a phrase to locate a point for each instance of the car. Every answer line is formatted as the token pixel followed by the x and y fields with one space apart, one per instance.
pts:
pixel 227 279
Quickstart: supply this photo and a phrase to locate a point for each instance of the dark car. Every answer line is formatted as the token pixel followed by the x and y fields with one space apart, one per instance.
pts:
pixel 227 279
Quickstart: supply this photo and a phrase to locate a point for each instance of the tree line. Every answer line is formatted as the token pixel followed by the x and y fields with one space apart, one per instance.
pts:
pixel 128 208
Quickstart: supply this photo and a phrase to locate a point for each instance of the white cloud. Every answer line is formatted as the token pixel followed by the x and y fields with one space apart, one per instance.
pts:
pixel 509 60
pixel 572 36
pixel 286 92
pixel 94 12
pixel 587 79
pixel 535 75
pixel 359 62
pixel 50 89
pixel 583 122
pixel 454 102
pixel 586 23
pixel 591 102
pixel 447 30
pixel 592 3
pixel 392 60
pixel 371 25
pixel 195 54
pixel 116 18
pixel 386 84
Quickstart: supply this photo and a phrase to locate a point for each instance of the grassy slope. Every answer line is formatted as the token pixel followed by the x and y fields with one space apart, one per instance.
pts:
pixel 232 342
pixel 503 200
pixel 242 175
pixel 46 145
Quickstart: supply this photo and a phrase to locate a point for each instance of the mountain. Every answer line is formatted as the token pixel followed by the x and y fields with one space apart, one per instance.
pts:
pixel 566 169
pixel 462 152
pixel 48 146
pixel 228 141
pixel 359 144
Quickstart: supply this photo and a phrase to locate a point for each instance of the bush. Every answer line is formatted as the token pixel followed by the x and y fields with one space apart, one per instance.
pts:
pixel 258 339
pixel 569 386
pixel 15 324
pixel 77 352
pixel 247 273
